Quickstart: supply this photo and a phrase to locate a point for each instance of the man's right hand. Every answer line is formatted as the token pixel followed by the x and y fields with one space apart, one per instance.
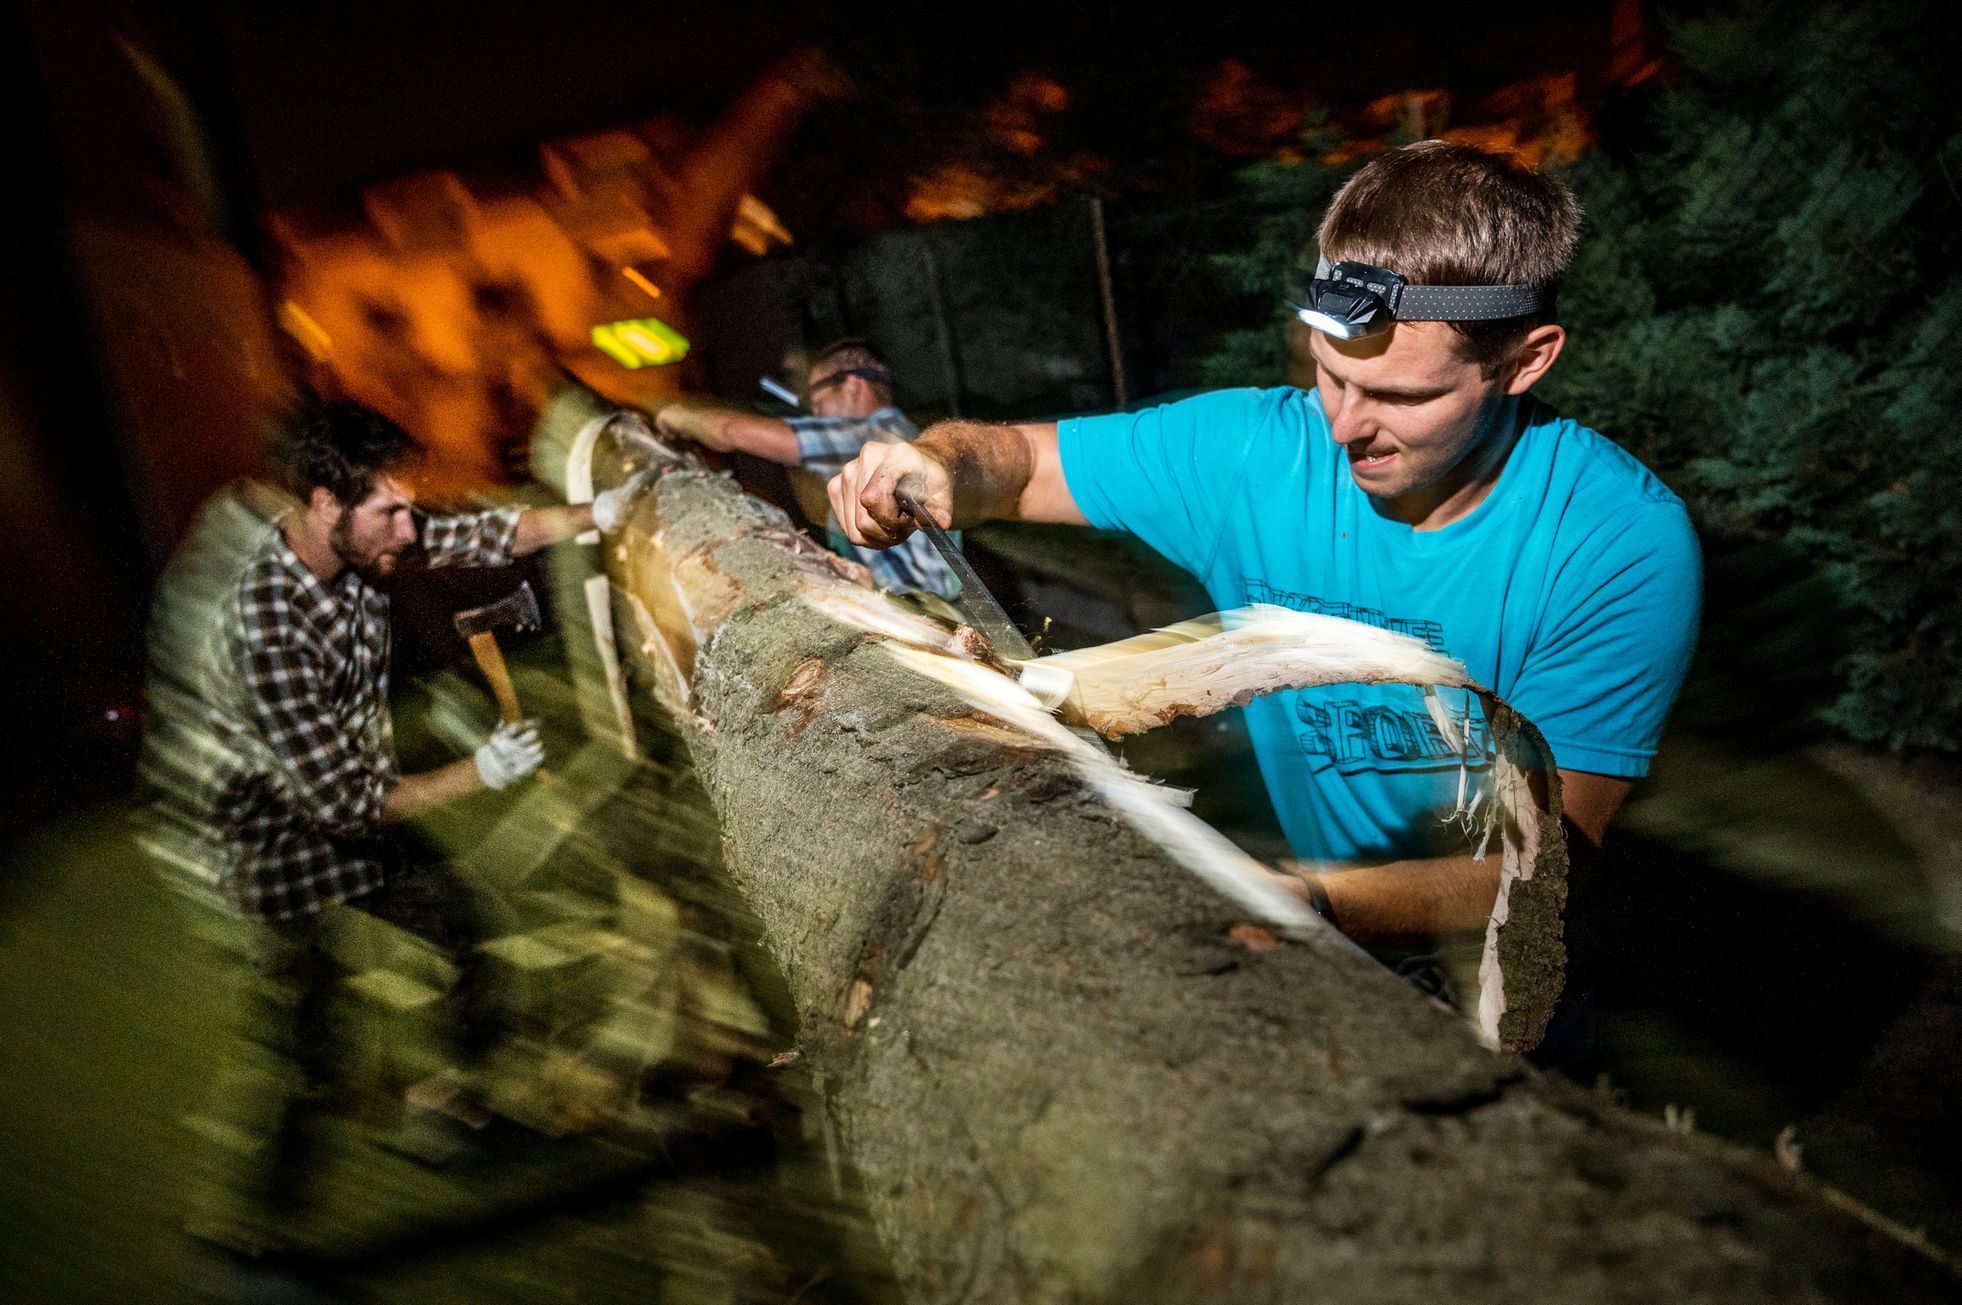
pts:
pixel 512 753
pixel 862 495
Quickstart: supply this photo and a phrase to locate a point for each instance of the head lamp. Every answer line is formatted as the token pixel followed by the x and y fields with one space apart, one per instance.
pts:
pixel 1352 300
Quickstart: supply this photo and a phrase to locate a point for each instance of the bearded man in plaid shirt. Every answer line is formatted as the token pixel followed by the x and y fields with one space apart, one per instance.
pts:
pixel 305 801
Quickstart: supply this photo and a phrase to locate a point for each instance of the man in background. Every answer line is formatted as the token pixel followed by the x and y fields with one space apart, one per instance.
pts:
pixel 850 396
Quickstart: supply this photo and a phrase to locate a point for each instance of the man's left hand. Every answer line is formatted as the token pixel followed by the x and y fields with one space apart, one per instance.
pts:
pixel 512 753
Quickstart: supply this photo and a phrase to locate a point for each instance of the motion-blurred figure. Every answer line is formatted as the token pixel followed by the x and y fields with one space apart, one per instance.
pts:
pixel 278 737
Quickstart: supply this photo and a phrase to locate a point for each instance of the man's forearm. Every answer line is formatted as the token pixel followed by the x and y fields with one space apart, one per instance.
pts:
pixel 416 795
pixel 989 468
pixel 1449 896
pixel 729 429
pixel 698 422
pixel 1441 898
pixel 540 527
pixel 961 473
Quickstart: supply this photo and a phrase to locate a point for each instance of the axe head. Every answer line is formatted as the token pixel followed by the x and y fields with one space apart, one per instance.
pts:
pixel 517 610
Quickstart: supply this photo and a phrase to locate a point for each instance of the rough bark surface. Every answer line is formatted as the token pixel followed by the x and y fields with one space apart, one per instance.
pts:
pixel 1064 1073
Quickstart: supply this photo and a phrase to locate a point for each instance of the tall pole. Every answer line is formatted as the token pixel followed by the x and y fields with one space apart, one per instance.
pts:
pixel 949 352
pixel 1111 341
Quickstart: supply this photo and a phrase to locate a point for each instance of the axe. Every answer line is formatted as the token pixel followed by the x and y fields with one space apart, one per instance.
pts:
pixel 518 610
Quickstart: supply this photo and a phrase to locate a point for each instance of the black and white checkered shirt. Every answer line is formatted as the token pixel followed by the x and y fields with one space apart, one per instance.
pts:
pixel 297 687
pixel 824 446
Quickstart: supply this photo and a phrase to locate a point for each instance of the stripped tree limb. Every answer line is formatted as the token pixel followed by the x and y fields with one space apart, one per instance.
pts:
pixel 1068 1069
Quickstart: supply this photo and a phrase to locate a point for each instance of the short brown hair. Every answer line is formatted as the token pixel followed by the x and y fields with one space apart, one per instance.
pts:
pixel 1436 213
pixel 338 446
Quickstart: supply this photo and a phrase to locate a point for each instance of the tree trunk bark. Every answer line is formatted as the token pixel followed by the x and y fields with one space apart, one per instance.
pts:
pixel 1065 1069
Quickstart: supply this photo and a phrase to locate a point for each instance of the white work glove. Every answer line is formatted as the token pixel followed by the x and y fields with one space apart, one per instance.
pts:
pixel 512 753
pixel 610 505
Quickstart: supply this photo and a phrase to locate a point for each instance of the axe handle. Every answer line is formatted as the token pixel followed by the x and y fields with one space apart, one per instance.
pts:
pixel 490 660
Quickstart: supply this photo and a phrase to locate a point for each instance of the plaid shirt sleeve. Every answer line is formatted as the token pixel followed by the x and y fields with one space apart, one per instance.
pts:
pixel 339 780
pixel 826 444
pixel 471 538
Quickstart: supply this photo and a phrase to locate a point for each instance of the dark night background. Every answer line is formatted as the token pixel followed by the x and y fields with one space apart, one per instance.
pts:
pixel 1766 310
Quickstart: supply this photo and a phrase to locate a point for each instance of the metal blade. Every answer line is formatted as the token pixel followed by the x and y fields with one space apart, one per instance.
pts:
pixel 516 611
pixel 983 612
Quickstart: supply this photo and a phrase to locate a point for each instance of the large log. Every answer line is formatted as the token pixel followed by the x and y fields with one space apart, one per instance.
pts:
pixel 1065 1067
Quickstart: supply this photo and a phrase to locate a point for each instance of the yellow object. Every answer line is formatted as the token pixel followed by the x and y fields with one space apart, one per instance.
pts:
pixel 641 342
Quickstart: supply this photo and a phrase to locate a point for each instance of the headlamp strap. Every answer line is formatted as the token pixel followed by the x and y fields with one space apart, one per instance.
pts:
pixel 1440 303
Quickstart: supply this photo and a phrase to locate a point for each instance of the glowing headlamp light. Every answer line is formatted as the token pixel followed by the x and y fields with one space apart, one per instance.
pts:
pixel 1351 300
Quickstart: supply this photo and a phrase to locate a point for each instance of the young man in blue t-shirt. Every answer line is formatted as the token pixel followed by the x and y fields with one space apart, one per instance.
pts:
pixel 1417 487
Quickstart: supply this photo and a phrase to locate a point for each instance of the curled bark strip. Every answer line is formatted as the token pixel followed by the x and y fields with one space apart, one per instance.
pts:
pixel 1206 665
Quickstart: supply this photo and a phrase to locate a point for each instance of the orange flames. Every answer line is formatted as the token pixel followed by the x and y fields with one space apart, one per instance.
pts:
pixel 1239 114
pixel 454 308
pixel 1543 119
pixel 1016 125
pixel 1540 119
pixel 455 305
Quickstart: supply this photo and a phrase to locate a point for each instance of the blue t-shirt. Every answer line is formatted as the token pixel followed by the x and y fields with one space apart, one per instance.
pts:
pixel 1572 591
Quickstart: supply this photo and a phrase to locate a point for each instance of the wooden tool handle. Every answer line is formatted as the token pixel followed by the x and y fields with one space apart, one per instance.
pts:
pixel 490 660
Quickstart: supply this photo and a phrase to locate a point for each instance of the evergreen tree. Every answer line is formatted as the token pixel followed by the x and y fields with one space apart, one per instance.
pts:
pixel 1766 310
pixel 1274 218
